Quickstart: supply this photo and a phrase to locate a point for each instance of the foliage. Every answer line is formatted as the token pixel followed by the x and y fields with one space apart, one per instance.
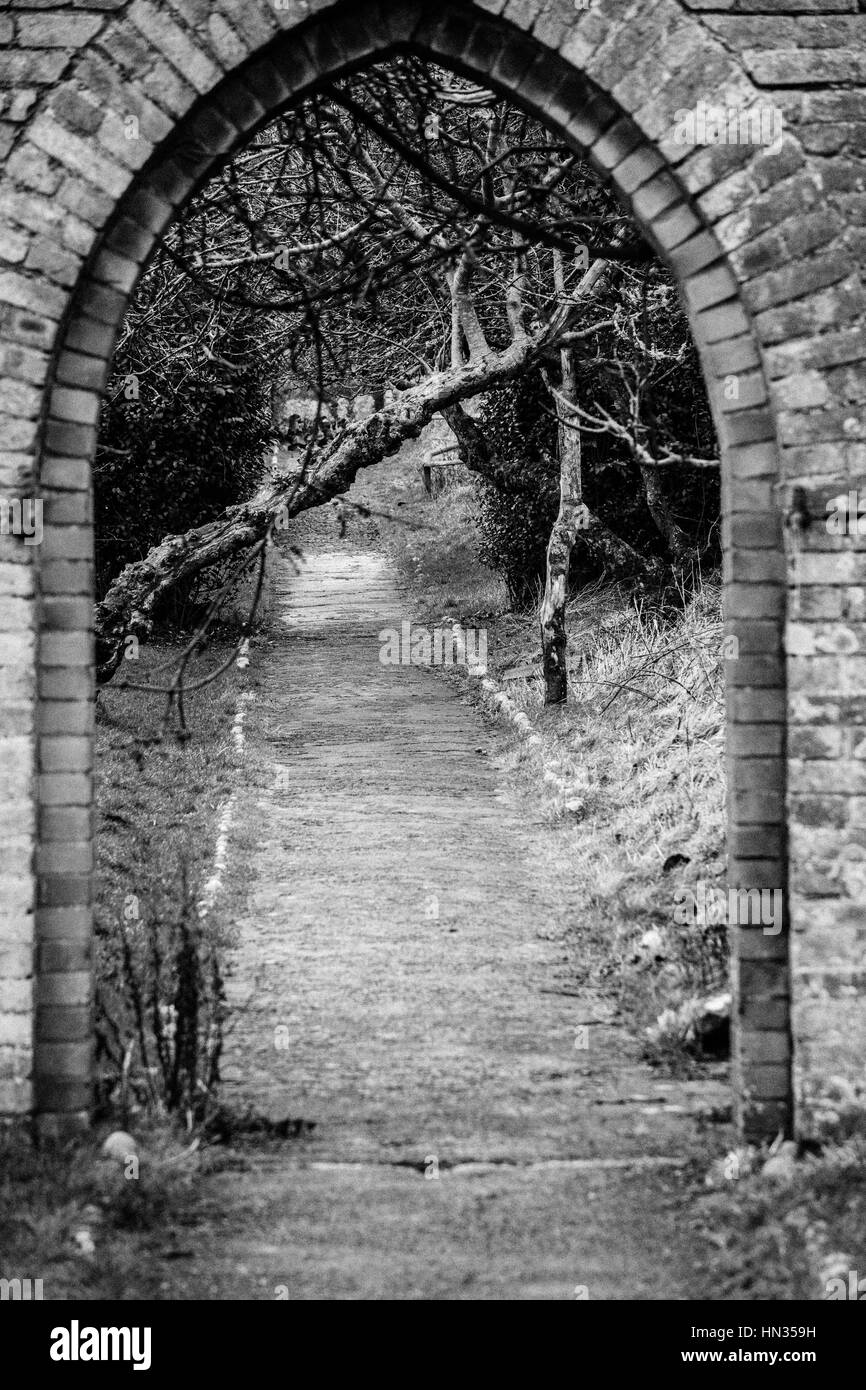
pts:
pixel 645 372
pixel 161 1007
pixel 516 511
pixel 159 946
pixel 393 228
pixel 185 423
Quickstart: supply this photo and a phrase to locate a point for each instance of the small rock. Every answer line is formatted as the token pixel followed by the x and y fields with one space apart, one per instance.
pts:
pixel 85 1242
pixel 712 1024
pixel 701 1025
pixel 653 942
pixel 119 1145
pixel 782 1165
pixel 718 1005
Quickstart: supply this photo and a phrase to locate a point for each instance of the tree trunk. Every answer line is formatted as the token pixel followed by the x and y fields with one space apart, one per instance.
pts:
pixel 475 455
pixel 682 549
pixel 570 519
pixel 572 515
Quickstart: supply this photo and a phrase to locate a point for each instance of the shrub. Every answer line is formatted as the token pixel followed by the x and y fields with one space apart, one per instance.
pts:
pixel 186 421
pixel 160 1009
pixel 516 511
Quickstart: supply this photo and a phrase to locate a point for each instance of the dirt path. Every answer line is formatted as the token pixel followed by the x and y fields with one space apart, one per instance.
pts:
pixel 403 981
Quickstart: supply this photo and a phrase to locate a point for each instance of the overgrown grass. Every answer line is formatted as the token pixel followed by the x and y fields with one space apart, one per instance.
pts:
pixel 84 1224
pixel 788 1236
pixel 159 801
pixel 634 776
pixel 160 940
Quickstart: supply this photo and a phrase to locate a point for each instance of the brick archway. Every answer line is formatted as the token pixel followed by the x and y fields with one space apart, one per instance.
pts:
pixel 611 86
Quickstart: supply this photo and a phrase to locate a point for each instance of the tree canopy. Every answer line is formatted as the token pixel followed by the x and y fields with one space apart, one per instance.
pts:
pixel 406 235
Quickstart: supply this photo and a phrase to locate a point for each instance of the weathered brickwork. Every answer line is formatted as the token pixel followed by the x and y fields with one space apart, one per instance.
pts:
pixel 111 111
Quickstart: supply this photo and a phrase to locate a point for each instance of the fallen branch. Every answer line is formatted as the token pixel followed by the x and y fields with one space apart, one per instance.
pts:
pixel 134 598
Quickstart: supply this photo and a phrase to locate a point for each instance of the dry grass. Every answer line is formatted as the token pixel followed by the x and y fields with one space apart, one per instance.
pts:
pixel 635 783
pixel 87 1228
pixel 159 802
pixel 788 1237
pixel 160 797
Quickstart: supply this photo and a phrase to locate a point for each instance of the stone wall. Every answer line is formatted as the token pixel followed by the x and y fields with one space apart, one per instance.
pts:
pixel 113 110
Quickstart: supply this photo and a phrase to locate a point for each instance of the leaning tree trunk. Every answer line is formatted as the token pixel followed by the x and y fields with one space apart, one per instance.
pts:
pixel 569 520
pixel 133 600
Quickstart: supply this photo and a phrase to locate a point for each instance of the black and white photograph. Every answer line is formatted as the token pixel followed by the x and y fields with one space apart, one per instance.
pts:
pixel 432 672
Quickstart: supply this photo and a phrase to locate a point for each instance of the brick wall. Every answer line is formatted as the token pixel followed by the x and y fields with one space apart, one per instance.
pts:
pixel 112 111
